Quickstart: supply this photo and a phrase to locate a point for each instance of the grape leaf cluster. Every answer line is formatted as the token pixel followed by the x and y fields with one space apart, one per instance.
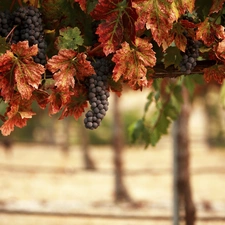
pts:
pixel 25 23
pixel 98 93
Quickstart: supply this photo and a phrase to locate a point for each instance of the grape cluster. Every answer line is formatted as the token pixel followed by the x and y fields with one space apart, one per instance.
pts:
pixel 6 23
pixel 189 57
pixel 98 93
pixel 27 23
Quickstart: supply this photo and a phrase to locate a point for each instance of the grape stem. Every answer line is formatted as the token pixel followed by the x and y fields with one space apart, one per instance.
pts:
pixel 97 49
pixel 10 32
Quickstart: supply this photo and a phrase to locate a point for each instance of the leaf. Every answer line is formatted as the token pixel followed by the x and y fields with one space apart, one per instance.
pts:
pixel 6 62
pixel 184 6
pixel 216 72
pixel 9 125
pixel 28 74
pixel 132 63
pixel 57 100
pixel 6 78
pixel 19 71
pixel 220 50
pixel 119 17
pixel 3 45
pixel 136 130
pixel 82 4
pixel 28 77
pixel 77 104
pixel 19 111
pixel 66 66
pixel 87 5
pixel 172 57
pixel 115 86
pixel 42 98
pixel 154 137
pixel 216 6
pixel 69 38
pixel 59 13
pixel 208 32
pixel 158 16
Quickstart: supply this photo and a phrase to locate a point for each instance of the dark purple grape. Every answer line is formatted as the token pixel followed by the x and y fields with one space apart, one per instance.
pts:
pixel 98 94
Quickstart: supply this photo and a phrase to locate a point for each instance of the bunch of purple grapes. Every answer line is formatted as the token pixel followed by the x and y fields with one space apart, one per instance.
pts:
pixel 189 57
pixel 25 23
pixel 98 93
pixel 6 23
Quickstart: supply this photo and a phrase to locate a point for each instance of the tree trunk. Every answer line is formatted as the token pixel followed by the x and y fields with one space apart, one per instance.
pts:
pixel 183 177
pixel 121 193
pixel 85 143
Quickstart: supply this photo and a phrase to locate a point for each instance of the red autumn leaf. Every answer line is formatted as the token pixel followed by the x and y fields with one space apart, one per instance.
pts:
pixel 22 50
pixel 220 50
pixel 184 6
pixel 18 70
pixel 66 66
pixel 158 16
pixel 6 88
pixel 42 98
pixel 57 100
pixel 216 6
pixel 119 23
pixel 6 78
pixel 9 125
pixel 132 63
pixel 82 4
pixel 6 62
pixel 19 111
pixel 76 105
pixel 110 35
pixel 216 72
pixel 28 75
pixel 208 32
pixel 176 35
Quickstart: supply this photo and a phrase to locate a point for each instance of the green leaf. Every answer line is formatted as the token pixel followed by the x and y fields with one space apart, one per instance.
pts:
pixel 171 111
pixel 135 130
pixel 172 57
pixel 189 84
pixel 148 103
pixel 3 45
pixel 163 123
pixel 91 5
pixel 69 38
pixel 154 137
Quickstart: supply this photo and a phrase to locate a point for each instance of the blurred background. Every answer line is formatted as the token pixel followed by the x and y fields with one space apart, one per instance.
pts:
pixel 57 172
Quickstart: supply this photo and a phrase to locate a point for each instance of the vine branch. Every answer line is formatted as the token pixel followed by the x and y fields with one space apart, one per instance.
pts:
pixel 169 72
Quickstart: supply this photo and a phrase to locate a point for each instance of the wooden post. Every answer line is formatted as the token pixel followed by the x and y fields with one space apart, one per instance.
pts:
pixel 121 193
pixel 85 147
pixel 182 186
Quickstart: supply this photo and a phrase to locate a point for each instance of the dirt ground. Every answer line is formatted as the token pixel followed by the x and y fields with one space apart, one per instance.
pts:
pixel 40 185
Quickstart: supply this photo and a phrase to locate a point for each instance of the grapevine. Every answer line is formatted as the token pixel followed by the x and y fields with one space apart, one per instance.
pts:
pixel 65 41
